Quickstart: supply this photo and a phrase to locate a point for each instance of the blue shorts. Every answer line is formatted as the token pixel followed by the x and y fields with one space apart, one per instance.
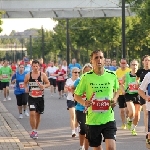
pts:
pixel 70 104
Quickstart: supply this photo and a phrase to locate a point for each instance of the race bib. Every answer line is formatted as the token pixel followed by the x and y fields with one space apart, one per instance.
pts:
pixel 101 105
pixel 84 96
pixel 133 87
pixel 60 78
pixel 4 76
pixel 36 93
pixel 21 85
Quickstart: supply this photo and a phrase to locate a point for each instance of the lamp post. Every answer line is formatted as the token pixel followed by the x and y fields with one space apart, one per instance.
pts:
pixel 30 46
pixel 67 40
pixel 123 30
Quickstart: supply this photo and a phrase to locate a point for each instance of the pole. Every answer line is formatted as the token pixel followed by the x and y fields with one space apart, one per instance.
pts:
pixel 67 40
pixel 123 30
pixel 43 44
pixel 30 46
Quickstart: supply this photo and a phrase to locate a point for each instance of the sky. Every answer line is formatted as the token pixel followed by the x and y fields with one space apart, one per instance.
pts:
pixel 20 25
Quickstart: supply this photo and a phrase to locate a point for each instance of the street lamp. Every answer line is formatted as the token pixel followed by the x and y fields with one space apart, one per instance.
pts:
pixel 123 30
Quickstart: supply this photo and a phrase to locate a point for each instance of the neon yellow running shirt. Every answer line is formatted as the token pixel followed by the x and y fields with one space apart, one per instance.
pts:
pixel 99 89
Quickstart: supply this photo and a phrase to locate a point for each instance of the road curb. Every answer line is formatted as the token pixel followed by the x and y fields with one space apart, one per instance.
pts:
pixel 19 135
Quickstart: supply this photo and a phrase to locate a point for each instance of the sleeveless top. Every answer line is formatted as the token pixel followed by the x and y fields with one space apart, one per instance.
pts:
pixel 130 83
pixel 34 90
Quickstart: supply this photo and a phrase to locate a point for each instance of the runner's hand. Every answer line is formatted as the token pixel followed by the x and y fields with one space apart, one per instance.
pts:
pixel 148 98
pixel 41 86
pixel 26 90
pixel 87 103
pixel 113 104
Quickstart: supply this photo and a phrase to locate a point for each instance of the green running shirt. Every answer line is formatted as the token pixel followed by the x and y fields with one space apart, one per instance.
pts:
pixel 5 73
pixel 130 83
pixel 99 88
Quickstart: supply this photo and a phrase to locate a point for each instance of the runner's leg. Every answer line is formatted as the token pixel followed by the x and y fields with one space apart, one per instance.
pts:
pixel 72 119
pixel 131 115
pixel 137 116
pixel 110 144
pixel 38 118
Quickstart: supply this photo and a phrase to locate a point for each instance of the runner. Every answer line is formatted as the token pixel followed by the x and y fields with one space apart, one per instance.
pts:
pixel 108 65
pixel 19 91
pixel 37 82
pixel 81 115
pixel 121 99
pixel 132 97
pixel 71 66
pixel 70 99
pixel 60 74
pixel 13 67
pixel 145 86
pixel 99 85
pixel 140 76
pixel 114 63
pixel 42 65
pixel 5 75
pixel 27 65
pixel 52 79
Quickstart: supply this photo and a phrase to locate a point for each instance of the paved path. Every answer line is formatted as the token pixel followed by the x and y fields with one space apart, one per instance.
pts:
pixel 54 131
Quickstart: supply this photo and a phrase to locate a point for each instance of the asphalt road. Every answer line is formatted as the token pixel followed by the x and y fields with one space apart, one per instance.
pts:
pixel 55 133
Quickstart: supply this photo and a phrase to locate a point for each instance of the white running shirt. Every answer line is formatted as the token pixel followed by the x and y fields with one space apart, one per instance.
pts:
pixel 51 70
pixel 144 86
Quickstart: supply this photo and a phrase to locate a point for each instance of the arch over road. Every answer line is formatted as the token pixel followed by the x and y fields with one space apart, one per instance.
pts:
pixel 62 8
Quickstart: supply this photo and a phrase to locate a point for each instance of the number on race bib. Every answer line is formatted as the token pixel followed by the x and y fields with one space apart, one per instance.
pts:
pixel 21 85
pixel 133 87
pixel 100 105
pixel 36 93
pixel 4 76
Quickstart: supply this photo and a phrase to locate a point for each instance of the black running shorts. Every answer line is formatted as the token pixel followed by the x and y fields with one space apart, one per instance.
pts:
pixel 95 132
pixel 22 99
pixel 121 101
pixel 36 104
pixel 135 98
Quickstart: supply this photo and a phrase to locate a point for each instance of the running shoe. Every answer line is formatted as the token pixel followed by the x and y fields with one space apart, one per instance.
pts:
pixel 123 126
pixel 26 113
pixel 9 98
pixel 147 140
pixel 20 116
pixel 82 148
pixel 34 135
pixel 129 124
pixel 73 134
pixel 4 99
pixel 133 132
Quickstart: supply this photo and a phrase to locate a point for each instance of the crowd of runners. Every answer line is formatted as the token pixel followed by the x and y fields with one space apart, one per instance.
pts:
pixel 91 92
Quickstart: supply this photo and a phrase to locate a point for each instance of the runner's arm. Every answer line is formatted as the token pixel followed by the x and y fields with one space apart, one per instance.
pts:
pixel 79 99
pixel 116 95
pixel 143 87
pixel 46 81
pixel 13 79
pixel 121 86
pixel 26 80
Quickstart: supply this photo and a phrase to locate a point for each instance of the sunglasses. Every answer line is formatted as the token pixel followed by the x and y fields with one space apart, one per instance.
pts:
pixel 76 72
pixel 123 63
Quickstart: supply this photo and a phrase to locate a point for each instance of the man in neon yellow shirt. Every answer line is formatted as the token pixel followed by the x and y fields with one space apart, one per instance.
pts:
pixel 121 99
pixel 99 85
